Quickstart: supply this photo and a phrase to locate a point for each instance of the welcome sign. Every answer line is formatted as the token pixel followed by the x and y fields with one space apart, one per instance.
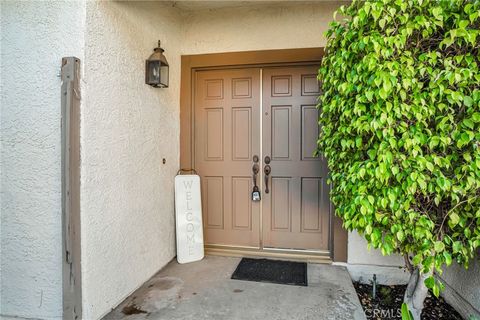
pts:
pixel 188 216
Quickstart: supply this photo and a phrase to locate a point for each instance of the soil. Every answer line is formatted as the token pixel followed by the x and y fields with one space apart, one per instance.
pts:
pixel 388 303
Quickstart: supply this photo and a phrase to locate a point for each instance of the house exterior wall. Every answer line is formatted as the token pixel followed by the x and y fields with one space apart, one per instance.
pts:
pixel 34 38
pixel 127 129
pixel 257 28
pixel 363 263
pixel 462 288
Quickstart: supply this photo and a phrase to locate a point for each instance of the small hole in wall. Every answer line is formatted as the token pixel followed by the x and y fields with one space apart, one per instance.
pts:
pixel 164 161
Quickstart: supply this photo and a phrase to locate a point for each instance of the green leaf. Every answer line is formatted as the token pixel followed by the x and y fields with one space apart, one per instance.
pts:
pixel 468 101
pixel 383 94
pixel 437 13
pixel 371 199
pixel 476 117
pixel 430 282
pixel 406 314
pixel 436 290
pixel 422 184
pixel 469 123
pixel 463 24
pixel 448 258
pixel 381 23
pixel 429 166
pixel 454 219
pixel 395 170
pixel 439 246
pixel 358 142
pixel 363 210
pixel 368 229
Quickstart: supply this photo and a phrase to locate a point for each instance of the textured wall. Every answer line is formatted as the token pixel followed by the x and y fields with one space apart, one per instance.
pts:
pixel 127 128
pixel 364 263
pixel 462 288
pixel 359 254
pixel 34 38
pixel 257 28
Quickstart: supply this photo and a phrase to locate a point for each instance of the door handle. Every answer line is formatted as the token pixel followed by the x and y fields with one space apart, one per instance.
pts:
pixel 255 169
pixel 267 169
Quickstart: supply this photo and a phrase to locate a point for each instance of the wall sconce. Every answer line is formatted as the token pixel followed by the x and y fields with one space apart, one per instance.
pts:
pixel 156 69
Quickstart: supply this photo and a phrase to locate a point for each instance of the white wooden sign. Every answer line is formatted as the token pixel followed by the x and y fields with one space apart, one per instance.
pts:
pixel 188 216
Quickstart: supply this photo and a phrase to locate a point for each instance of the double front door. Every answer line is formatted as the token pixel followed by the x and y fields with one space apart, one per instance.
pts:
pixel 259 127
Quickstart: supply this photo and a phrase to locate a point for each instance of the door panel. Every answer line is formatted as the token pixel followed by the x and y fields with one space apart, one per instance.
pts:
pixel 227 135
pixel 296 212
pixel 280 131
pixel 281 204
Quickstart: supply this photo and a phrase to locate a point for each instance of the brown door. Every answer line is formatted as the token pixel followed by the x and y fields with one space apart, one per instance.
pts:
pixel 227 135
pixel 296 211
pixel 232 124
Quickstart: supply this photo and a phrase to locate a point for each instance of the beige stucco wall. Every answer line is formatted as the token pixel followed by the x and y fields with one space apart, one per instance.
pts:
pixel 462 288
pixel 34 37
pixel 127 129
pixel 257 28
pixel 363 263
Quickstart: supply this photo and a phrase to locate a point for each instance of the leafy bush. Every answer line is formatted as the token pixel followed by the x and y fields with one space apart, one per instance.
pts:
pixel 400 118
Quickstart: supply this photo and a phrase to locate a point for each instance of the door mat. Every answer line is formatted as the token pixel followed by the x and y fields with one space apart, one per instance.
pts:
pixel 273 271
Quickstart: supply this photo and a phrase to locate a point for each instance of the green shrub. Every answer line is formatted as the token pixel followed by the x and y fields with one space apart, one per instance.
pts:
pixel 400 119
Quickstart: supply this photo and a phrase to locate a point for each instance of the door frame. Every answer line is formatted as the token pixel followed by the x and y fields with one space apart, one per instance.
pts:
pixel 189 65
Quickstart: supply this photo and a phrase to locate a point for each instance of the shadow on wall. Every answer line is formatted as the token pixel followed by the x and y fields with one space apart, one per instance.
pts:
pixel 462 288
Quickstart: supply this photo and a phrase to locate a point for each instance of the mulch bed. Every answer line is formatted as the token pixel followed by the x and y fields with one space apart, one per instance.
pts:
pixel 389 301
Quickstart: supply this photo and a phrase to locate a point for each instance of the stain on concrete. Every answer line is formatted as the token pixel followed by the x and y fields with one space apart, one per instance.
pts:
pixel 132 309
pixel 204 291
pixel 164 284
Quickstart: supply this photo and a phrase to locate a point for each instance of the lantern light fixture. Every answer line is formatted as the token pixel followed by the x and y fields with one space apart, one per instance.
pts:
pixel 156 69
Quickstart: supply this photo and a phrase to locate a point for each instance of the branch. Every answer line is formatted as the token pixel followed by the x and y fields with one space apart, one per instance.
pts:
pixel 408 264
pixel 451 210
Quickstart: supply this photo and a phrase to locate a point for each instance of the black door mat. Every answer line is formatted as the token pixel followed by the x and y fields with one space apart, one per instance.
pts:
pixel 273 271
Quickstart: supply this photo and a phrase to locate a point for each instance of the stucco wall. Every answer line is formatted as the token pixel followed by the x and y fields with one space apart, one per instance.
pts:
pixel 462 288
pixel 257 28
pixel 363 263
pixel 127 128
pixel 34 38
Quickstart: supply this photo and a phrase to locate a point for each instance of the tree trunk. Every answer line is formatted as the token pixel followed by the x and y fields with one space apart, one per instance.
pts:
pixel 416 293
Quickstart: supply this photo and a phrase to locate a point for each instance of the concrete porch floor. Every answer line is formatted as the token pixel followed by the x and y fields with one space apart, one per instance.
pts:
pixel 204 290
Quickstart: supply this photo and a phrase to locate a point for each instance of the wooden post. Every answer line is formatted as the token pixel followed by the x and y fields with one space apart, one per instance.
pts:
pixel 70 104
